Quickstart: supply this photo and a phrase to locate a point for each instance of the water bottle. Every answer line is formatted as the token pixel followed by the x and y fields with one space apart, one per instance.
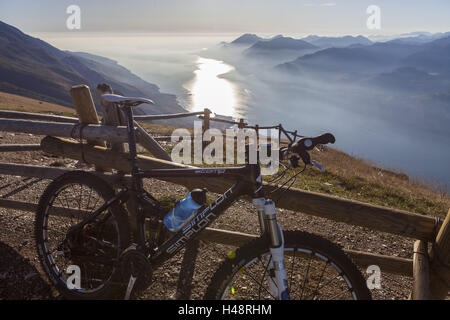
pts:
pixel 185 210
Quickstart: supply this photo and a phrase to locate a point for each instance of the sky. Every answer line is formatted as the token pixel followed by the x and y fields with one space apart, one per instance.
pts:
pixel 289 17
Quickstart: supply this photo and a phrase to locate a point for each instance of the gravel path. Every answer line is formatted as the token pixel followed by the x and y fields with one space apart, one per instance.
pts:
pixel 21 276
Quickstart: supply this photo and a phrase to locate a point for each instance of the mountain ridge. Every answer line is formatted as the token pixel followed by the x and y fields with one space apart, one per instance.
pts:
pixel 33 68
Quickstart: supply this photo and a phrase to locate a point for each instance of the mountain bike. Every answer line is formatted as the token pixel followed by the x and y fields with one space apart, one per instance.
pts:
pixel 81 222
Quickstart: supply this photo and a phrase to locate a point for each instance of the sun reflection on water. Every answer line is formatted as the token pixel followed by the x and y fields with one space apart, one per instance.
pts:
pixel 209 90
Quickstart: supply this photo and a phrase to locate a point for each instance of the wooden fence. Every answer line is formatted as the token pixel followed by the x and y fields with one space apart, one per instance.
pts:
pixel 429 268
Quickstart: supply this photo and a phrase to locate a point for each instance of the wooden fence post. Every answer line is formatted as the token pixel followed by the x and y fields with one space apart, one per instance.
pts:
pixel 84 105
pixel 111 114
pixel 440 262
pixel 279 134
pixel 206 124
pixel 207 116
pixel 421 272
pixel 241 124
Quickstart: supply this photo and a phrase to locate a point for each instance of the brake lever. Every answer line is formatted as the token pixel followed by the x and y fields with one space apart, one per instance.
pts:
pixel 318 166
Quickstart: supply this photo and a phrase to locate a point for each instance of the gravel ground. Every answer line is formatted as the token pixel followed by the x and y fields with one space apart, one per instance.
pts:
pixel 21 276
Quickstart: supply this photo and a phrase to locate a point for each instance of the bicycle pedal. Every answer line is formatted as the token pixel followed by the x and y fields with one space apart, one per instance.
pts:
pixel 130 287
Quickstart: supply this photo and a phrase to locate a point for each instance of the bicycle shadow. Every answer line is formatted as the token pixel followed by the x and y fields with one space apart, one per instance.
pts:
pixel 19 279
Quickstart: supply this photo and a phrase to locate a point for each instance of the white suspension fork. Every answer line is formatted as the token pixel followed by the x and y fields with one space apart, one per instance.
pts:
pixel 276 272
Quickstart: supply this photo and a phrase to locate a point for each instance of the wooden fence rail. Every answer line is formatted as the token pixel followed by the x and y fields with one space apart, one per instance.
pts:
pixel 88 131
pixel 6 114
pixel 19 147
pixel 353 212
pixel 394 265
pixel 167 116
pixel 34 171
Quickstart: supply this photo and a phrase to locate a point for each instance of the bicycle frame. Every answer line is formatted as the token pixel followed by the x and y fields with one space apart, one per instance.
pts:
pixel 249 183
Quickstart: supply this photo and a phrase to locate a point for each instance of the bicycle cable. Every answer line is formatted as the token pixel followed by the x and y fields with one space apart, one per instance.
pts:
pixel 291 180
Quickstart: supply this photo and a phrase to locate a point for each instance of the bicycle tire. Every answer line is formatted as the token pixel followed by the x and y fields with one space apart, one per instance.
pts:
pixel 112 286
pixel 294 240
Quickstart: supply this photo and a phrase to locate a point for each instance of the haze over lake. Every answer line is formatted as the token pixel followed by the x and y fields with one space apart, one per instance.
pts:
pixel 188 66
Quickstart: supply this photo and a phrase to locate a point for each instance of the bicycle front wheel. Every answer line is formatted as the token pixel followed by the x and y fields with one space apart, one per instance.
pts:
pixel 316 270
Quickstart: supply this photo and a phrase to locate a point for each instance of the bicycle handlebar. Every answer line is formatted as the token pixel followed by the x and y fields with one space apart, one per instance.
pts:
pixel 302 146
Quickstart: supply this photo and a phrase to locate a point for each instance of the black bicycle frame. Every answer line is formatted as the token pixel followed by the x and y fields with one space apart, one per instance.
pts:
pixel 248 183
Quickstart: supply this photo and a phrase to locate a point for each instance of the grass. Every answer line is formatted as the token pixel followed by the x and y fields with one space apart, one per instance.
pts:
pixel 358 179
pixel 15 102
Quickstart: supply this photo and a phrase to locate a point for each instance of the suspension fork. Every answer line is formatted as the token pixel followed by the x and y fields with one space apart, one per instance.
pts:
pixel 276 272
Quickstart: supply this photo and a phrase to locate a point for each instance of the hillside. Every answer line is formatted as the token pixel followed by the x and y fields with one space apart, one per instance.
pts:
pixel 15 102
pixel 31 67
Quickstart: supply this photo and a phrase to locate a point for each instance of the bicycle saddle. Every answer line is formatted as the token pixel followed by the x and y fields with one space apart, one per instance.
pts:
pixel 129 101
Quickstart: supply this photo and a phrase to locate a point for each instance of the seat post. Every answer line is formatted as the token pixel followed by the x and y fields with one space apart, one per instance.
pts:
pixel 137 182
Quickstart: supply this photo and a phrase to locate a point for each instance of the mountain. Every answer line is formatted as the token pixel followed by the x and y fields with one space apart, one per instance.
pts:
pixel 164 103
pixel 282 43
pixel 33 68
pixel 426 71
pixel 434 57
pixel 379 57
pixel 409 79
pixel 336 42
pixel 279 48
pixel 420 37
pixel 246 39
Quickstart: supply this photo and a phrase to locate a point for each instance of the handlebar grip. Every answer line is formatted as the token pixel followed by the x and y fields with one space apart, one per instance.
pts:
pixel 302 146
pixel 324 139
pixel 310 143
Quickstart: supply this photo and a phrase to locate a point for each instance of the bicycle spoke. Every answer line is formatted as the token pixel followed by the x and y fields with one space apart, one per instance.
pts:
pixel 320 280
pixel 262 278
pixel 89 200
pixel 306 276
pixel 329 281
pixel 336 295
pixel 252 278
pixel 292 270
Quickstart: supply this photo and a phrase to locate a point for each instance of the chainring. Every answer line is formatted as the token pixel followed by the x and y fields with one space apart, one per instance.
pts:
pixel 135 263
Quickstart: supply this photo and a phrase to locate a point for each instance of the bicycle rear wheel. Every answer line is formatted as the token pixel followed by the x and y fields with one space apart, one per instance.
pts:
pixel 316 270
pixel 95 249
